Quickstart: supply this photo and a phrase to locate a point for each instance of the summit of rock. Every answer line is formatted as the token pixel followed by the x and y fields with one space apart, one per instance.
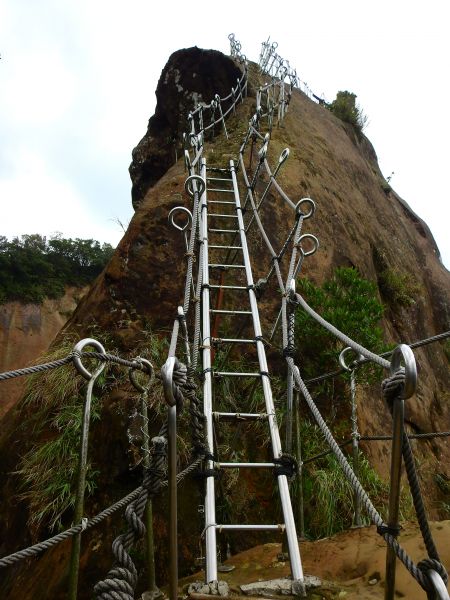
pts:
pixel 191 76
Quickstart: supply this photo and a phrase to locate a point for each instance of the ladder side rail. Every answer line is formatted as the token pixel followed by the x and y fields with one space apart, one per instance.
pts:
pixel 210 507
pixel 294 552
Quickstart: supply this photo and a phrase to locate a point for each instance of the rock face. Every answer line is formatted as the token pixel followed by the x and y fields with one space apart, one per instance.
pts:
pixel 191 75
pixel 26 331
pixel 360 222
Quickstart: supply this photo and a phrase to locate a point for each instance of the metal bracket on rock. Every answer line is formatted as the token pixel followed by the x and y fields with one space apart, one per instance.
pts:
pixel 167 380
pixel 312 207
pixel 404 352
pixel 78 348
pixel 180 209
pixel 314 240
pixel 342 359
pixel 188 185
pixel 147 368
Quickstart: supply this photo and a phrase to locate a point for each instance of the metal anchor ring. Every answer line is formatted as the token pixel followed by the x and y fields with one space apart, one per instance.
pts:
pixel 312 207
pixel 167 380
pixel 180 209
pixel 404 352
pixel 78 348
pixel 284 156
pixel 189 187
pixel 315 241
pixel 147 368
pixel 440 589
pixel 342 359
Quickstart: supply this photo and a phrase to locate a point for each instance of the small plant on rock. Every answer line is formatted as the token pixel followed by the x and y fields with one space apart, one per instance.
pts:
pixel 346 109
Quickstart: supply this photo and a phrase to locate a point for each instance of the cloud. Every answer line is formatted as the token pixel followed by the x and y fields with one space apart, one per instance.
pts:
pixel 46 203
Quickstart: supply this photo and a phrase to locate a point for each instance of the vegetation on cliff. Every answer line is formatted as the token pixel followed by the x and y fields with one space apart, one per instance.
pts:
pixel 352 304
pixel 345 108
pixel 33 267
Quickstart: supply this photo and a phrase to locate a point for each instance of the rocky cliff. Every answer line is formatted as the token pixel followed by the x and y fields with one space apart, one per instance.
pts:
pixel 360 221
pixel 26 331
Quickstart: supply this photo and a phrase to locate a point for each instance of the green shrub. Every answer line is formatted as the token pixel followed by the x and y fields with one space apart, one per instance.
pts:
pixel 346 109
pixel 348 302
pixel 329 501
pixel 398 289
pixel 54 403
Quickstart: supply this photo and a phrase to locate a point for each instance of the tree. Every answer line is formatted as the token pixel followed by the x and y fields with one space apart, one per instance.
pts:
pixel 346 109
pixel 33 268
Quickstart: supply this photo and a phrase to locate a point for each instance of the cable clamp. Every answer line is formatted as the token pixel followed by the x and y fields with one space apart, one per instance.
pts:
pixel 289 351
pixel 390 530
pixel 285 465
pixel 264 374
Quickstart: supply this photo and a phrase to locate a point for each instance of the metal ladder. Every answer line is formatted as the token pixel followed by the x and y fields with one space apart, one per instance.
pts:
pixel 225 187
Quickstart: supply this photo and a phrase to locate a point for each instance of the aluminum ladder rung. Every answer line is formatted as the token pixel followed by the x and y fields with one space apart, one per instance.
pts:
pixel 220 266
pixel 233 465
pixel 228 287
pixel 223 230
pixel 235 374
pixel 232 341
pixel 221 311
pixel 222 216
pixel 219 190
pixel 227 247
pixel 279 528
pixel 224 416
pixel 221 202
pixel 218 179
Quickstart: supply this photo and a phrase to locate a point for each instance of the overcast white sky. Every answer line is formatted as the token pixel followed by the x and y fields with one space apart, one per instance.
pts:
pixel 77 83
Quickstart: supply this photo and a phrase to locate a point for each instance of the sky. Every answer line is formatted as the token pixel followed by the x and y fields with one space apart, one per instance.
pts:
pixel 78 81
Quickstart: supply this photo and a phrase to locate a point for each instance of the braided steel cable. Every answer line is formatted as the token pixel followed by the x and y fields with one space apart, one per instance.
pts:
pixel 342 336
pixel 379 438
pixel 87 524
pixel 135 364
pixel 122 578
pixel 430 340
pixel 37 368
pixel 417 571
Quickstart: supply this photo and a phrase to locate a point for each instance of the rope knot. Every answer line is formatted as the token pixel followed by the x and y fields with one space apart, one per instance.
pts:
pixel 289 351
pixel 431 564
pixel 393 387
pixel 384 528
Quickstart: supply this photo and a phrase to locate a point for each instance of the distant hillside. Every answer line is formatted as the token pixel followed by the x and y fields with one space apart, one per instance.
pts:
pixel 33 267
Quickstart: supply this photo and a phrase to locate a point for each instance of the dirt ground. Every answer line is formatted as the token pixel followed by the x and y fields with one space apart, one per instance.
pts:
pixel 351 564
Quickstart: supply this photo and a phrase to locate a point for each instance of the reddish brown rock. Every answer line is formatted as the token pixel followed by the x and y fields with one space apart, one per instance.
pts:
pixel 191 75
